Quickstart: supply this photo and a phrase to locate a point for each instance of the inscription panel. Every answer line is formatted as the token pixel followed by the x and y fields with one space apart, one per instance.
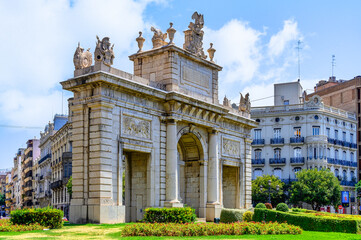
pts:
pixel 196 79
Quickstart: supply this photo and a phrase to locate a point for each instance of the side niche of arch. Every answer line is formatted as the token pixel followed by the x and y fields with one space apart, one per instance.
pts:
pixel 191 157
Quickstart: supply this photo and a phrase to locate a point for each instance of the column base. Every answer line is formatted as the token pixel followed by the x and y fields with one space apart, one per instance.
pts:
pixel 171 204
pixel 213 211
pixel 97 214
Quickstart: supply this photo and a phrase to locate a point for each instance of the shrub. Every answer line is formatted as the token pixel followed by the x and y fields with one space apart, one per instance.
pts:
pixel 247 216
pixel 47 217
pixel 231 215
pixel 260 205
pixel 310 221
pixel 208 229
pixel 268 205
pixel 165 215
pixel 6 226
pixel 282 207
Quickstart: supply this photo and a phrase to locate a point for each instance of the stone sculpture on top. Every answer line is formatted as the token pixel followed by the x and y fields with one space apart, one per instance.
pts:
pixel 194 36
pixel 82 59
pixel 104 51
pixel 158 38
pixel 244 104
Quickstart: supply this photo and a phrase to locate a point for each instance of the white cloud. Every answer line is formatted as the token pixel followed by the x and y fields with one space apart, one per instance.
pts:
pixel 279 41
pixel 33 42
pixel 238 49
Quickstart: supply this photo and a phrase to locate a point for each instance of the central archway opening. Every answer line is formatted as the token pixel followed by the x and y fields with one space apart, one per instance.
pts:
pixel 190 157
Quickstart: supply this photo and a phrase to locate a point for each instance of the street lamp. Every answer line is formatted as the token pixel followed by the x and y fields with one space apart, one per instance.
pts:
pixel 270 190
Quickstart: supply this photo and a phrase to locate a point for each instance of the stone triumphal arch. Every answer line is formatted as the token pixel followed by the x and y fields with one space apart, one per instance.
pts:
pixel 158 137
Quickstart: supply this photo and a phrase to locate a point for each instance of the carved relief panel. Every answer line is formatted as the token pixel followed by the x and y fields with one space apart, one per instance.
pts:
pixel 230 148
pixel 136 127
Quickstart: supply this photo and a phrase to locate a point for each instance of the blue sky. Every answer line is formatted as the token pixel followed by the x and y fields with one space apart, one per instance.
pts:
pixel 255 43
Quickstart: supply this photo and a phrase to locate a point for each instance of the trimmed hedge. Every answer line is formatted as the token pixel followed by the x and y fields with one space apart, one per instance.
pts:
pixel 261 205
pixel 207 229
pixel 229 215
pixel 47 217
pixel 309 222
pixel 247 216
pixel 6 226
pixel 282 207
pixel 169 215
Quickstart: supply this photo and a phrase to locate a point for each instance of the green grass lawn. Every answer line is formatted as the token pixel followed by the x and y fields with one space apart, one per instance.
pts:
pixel 113 231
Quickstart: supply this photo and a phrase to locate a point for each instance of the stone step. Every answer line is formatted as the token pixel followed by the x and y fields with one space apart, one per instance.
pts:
pixel 201 220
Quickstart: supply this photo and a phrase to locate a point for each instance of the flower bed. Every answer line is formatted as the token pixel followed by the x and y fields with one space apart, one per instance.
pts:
pixel 6 226
pixel 206 229
pixel 312 221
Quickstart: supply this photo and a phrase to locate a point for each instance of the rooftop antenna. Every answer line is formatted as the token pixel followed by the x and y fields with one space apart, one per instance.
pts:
pixel 333 63
pixel 298 55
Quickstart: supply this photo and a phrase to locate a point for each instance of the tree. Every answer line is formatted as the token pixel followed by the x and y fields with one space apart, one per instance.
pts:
pixel 261 194
pixel 317 188
pixel 2 199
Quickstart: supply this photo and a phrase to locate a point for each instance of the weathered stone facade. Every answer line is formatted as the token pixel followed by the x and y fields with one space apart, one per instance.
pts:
pixel 164 129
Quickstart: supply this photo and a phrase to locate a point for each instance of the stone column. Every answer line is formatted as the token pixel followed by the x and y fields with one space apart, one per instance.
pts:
pixel 171 166
pixel 213 205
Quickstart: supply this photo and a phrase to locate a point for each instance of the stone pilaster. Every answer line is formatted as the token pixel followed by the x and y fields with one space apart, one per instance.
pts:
pixel 213 205
pixel 247 173
pixel 172 166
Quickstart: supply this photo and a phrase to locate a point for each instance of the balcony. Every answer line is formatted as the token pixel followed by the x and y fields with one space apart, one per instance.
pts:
pixel 339 142
pixel 15 176
pixel 28 198
pixel 297 140
pixel 28 179
pixel 297 160
pixel 28 188
pixel 277 141
pixel 348 183
pixel 258 142
pixel 47 156
pixel 277 161
pixel 331 140
pixel 353 145
pixel 289 180
pixel 258 162
pixel 56 184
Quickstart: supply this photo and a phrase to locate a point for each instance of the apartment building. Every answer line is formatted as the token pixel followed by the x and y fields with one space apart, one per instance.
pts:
pixel 31 152
pixel 61 166
pixel 345 95
pixel 304 135
pixel 43 165
pixel 8 192
pixel 17 179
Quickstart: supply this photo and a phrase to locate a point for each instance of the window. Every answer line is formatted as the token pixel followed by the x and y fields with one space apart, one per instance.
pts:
pixel 327 119
pixel 258 120
pixel 258 154
pixel 257 134
pixel 351 156
pixel 336 134
pixel 277 119
pixel 328 152
pixel 351 137
pixel 336 154
pixel 344 136
pixel 316 117
pixel 315 130
pixel 315 153
pixel 257 173
pixel 352 174
pixel 278 172
pixel 297 152
pixel 286 102
pixel 336 172
pixel 344 175
pixel 297 169
pixel 344 155
pixel 297 131
pixel 277 132
pixel 328 132
pixel 297 118
pixel 277 153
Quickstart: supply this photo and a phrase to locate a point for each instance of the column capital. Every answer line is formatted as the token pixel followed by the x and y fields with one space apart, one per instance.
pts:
pixel 213 131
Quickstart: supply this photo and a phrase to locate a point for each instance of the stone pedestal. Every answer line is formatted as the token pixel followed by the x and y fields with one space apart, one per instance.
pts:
pixel 213 211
